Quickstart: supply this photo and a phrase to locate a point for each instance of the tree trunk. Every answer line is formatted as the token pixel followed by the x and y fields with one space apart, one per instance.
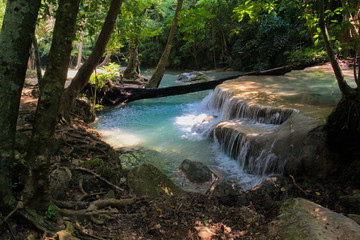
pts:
pixel 161 66
pixel 132 71
pixel 344 87
pixel 36 192
pixel 80 49
pixel 83 75
pixel 37 59
pixel 106 60
pixel 15 42
pixel 31 60
pixel 343 124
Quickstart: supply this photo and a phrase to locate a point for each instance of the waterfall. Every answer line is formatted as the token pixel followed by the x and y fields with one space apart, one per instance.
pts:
pixel 233 108
pixel 237 126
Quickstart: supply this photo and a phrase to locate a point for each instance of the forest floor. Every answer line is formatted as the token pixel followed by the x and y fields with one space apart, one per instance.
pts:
pixel 188 216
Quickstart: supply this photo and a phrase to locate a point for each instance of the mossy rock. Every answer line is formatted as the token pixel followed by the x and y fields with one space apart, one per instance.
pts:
pixel 150 181
pixel 303 219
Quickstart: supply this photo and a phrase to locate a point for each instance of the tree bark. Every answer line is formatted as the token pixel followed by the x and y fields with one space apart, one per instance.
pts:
pixel 15 42
pixel 80 49
pixel 83 75
pixel 132 71
pixel 52 85
pixel 161 66
pixel 37 59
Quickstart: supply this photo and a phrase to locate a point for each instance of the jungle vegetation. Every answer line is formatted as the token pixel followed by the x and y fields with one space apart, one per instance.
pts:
pixel 242 35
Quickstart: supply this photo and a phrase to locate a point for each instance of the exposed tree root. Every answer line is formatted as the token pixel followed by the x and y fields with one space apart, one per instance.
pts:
pixel 67 233
pixel 93 212
pixel 84 234
pixel 19 205
pixel 37 221
pixel 99 177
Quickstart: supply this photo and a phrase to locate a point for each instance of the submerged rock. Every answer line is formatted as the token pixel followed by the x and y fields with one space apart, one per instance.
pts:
pixel 302 219
pixel 192 77
pixel 150 181
pixel 196 171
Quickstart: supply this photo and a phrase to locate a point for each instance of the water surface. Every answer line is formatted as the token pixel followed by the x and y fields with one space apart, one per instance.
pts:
pixel 166 124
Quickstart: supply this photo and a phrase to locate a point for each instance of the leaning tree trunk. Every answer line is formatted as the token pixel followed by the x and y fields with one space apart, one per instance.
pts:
pixel 15 42
pixel 132 71
pixel 343 124
pixel 83 75
pixel 161 66
pixel 36 192
pixel 106 60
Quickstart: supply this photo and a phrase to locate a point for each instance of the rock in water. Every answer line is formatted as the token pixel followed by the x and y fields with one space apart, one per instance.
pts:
pixel 196 172
pixel 305 220
pixel 192 77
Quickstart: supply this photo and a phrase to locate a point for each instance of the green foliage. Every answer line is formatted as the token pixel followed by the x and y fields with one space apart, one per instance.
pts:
pixel 193 22
pixel 98 106
pixel 50 212
pixel 307 56
pixel 110 73
pixel 341 23
pixel 2 12
pixel 265 37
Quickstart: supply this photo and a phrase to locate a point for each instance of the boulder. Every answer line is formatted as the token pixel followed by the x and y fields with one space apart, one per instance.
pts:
pixel 148 180
pixel 192 77
pixel 303 219
pixel 196 172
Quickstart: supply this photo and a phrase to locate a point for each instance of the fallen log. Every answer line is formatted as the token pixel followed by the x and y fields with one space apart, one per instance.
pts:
pixel 118 95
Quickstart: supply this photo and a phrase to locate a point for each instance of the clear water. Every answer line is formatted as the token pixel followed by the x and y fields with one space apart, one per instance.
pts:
pixel 165 125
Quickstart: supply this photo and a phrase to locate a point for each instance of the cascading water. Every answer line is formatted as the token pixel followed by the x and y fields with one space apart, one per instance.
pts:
pixel 166 125
pixel 179 127
pixel 237 128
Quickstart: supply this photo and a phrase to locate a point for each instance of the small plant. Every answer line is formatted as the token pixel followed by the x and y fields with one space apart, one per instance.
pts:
pixel 111 72
pixel 98 106
pixel 50 212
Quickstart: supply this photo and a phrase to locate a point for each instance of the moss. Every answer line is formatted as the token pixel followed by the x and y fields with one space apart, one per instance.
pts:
pixel 150 181
pixel 287 205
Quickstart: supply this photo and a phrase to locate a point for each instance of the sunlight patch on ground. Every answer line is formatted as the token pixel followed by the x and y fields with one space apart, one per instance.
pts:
pixel 119 138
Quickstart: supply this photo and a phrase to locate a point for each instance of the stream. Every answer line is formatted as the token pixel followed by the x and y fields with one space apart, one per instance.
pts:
pixel 166 125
